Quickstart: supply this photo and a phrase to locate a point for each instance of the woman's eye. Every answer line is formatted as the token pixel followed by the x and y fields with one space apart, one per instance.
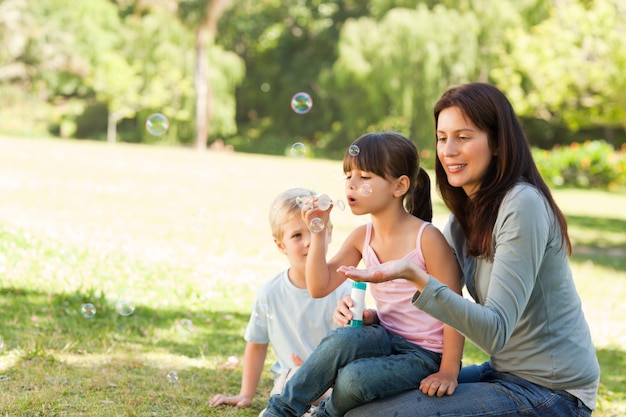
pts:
pixel 439 139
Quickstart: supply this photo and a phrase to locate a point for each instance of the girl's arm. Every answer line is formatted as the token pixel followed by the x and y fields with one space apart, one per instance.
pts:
pixel 321 276
pixel 441 262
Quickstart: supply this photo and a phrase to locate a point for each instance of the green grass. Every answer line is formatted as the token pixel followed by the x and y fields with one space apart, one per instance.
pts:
pixel 187 235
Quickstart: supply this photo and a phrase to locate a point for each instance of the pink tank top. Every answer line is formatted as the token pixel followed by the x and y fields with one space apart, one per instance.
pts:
pixel 396 312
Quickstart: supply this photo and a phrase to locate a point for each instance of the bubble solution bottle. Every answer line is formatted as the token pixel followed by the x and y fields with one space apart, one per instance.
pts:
pixel 358 296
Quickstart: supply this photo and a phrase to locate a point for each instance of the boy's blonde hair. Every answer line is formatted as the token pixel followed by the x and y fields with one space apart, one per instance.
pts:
pixel 285 206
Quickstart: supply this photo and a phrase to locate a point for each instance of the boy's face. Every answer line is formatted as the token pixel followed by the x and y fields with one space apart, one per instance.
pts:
pixel 296 240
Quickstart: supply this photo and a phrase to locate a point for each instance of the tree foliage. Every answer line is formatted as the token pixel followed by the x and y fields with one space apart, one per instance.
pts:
pixel 570 68
pixel 227 69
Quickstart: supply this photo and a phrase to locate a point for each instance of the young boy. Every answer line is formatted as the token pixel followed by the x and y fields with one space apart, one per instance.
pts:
pixel 284 313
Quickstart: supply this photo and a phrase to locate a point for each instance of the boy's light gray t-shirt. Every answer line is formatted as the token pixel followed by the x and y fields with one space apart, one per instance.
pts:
pixel 533 325
pixel 289 319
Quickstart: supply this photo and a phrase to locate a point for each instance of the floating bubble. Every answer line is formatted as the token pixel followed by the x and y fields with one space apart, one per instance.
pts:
pixel 301 103
pixel 298 149
pixel 353 150
pixel 157 124
pixel 305 201
pixel 124 305
pixel 317 225
pixel 324 202
pixel 262 315
pixel 365 190
pixel 88 310
pixel 184 327
pixel 172 377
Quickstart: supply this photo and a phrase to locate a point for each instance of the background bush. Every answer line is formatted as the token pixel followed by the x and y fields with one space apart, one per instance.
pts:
pixel 592 164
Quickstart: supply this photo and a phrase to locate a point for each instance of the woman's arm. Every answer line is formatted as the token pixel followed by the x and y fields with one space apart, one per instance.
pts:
pixel 521 235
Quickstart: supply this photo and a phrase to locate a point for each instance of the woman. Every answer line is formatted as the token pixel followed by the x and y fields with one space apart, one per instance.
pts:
pixel 512 247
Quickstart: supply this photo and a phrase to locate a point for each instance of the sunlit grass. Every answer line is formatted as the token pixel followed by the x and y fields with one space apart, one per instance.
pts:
pixel 187 234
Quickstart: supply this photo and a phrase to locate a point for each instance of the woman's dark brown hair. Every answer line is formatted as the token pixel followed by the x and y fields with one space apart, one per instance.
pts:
pixel 391 155
pixel 490 110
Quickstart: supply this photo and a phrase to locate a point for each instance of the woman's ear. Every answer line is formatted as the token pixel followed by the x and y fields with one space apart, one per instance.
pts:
pixel 402 186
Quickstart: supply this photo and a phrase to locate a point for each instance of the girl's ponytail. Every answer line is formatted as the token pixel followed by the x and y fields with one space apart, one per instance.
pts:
pixel 420 202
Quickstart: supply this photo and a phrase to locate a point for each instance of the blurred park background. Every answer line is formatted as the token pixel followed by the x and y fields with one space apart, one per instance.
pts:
pixel 178 219
pixel 224 71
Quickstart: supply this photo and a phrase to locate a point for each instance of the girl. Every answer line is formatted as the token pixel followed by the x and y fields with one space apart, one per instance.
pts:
pixel 400 347
pixel 511 241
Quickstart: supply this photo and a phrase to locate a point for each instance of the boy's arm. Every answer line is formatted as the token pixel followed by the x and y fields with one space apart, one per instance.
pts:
pixel 253 362
pixel 441 263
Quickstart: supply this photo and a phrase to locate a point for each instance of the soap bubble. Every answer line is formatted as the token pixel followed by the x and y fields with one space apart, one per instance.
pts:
pixel 324 202
pixel 317 225
pixel 124 305
pixel 157 124
pixel 353 150
pixel 298 149
pixel 88 310
pixel 301 103
pixel 305 201
pixel 262 314
pixel 184 327
pixel 365 190
pixel 172 377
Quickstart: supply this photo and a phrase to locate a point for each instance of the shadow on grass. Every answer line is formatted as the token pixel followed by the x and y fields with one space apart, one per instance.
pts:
pixel 40 321
pixel 56 361
pixel 600 224
pixel 612 364
pixel 594 248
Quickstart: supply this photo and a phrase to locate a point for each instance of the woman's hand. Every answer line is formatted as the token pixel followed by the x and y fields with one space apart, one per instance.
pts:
pixel 387 271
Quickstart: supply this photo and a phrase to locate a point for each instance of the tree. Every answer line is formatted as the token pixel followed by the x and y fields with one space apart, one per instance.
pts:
pixel 390 73
pixel 204 16
pixel 571 68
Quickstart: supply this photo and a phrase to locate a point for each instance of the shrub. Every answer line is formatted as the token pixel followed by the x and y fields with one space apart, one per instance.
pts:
pixel 592 164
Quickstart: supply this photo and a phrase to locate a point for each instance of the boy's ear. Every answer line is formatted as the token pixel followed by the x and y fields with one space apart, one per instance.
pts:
pixel 402 186
pixel 280 246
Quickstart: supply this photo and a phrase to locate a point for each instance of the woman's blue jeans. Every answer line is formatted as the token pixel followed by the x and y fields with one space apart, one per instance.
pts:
pixel 495 394
pixel 362 364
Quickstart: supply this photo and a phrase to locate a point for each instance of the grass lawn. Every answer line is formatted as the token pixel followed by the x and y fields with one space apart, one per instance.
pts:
pixel 183 238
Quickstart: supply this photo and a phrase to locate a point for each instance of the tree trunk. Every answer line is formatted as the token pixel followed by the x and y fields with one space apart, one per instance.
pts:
pixel 207 30
pixel 112 127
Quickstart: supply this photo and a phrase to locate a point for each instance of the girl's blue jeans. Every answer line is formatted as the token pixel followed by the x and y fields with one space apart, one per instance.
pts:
pixel 362 364
pixel 491 394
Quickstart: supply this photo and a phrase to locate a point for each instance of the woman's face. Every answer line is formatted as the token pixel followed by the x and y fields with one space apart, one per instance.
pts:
pixel 462 149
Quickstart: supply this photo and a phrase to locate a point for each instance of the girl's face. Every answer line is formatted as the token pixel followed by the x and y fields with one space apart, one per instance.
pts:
pixel 462 149
pixel 367 192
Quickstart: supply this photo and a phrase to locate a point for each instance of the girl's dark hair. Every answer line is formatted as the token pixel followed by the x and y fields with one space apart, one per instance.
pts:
pixel 391 155
pixel 489 109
